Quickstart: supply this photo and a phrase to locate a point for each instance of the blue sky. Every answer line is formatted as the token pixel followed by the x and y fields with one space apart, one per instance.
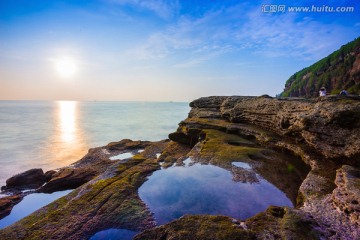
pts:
pixel 158 50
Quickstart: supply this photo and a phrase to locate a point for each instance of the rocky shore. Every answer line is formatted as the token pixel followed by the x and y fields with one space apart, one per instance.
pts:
pixel 307 148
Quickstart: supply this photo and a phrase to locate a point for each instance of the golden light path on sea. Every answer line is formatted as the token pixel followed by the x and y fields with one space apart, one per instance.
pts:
pixel 67 143
pixel 67 120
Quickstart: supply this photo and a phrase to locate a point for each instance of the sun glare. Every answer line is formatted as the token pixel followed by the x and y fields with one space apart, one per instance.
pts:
pixel 65 67
pixel 67 115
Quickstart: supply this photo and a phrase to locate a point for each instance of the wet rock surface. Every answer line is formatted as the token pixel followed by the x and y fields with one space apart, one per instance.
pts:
pixel 198 227
pixel 30 179
pixel 68 178
pixel 309 149
pixel 7 203
pixel 274 223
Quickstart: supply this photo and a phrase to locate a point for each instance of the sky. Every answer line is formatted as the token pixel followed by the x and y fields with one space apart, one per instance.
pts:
pixel 157 50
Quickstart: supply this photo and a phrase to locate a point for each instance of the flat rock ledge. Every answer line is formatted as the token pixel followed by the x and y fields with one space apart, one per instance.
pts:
pixel 321 136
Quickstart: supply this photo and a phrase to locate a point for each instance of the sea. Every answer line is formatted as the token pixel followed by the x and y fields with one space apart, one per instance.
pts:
pixel 54 134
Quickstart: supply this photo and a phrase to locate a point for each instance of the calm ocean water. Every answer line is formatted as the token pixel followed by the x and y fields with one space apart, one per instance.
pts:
pixel 48 135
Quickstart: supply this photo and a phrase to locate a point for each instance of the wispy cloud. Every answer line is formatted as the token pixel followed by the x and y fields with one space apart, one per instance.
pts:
pixel 276 35
pixel 201 38
pixel 162 8
pixel 205 54
pixel 239 28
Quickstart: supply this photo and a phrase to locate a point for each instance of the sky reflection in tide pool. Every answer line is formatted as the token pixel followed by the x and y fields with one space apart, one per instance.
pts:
pixel 30 204
pixel 206 189
pixel 114 234
pixel 241 165
pixel 122 156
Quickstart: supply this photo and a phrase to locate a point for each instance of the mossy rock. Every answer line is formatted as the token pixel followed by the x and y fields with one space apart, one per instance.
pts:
pixel 222 149
pixel 203 227
pixel 283 223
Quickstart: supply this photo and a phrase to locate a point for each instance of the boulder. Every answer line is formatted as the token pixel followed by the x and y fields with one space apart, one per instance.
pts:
pixel 127 144
pixel 31 179
pixel 68 178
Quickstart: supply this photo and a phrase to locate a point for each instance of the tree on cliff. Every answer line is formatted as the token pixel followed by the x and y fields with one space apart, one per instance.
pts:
pixel 340 70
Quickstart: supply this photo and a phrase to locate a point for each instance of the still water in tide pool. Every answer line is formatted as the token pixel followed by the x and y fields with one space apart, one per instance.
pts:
pixel 207 189
pixel 48 135
pixel 30 204
pixel 114 234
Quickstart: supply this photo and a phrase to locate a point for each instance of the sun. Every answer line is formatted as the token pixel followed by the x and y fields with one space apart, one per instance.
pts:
pixel 66 67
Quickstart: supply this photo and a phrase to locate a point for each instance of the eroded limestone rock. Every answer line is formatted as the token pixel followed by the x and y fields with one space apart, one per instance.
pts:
pixel 346 196
pixel 330 127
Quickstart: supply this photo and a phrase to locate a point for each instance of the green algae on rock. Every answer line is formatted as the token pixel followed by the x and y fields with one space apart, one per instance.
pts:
pixel 198 227
pixel 283 223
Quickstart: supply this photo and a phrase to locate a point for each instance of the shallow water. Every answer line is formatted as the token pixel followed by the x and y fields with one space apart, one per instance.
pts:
pixel 49 135
pixel 122 156
pixel 206 189
pixel 114 234
pixel 241 165
pixel 30 204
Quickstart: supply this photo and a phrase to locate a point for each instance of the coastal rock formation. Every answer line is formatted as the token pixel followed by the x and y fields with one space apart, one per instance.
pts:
pixel 346 195
pixel 274 223
pixel 110 200
pixel 323 133
pixel 30 179
pixel 198 227
pixel 329 127
pixel 68 178
pixel 309 149
pixel 7 203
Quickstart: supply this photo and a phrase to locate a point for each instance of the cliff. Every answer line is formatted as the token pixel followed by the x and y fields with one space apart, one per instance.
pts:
pixel 320 138
pixel 340 70
pixel 324 133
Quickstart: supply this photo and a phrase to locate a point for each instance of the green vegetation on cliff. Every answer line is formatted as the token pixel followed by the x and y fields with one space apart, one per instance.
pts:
pixel 340 70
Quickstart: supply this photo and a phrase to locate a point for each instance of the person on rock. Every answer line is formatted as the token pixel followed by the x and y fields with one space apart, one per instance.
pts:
pixel 344 93
pixel 322 92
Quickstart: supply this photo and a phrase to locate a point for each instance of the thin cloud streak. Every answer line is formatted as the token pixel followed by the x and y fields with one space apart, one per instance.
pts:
pixel 164 9
pixel 267 35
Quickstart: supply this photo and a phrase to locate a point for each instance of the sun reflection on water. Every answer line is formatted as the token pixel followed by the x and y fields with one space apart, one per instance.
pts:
pixel 67 116
pixel 67 144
